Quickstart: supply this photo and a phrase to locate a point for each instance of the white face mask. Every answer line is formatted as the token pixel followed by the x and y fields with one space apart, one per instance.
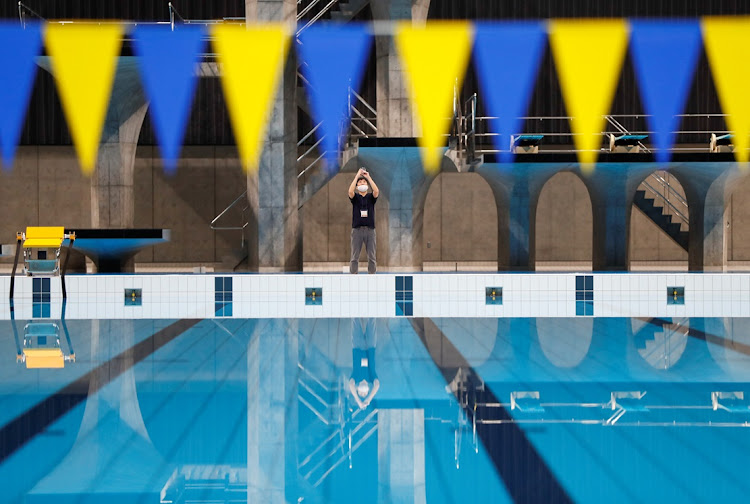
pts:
pixel 362 188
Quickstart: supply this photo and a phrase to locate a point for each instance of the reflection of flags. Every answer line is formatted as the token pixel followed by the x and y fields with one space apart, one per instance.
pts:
pixel 435 57
pixel 19 69
pixel 251 60
pixel 507 61
pixel 664 57
pixel 588 56
pixel 167 61
pixel 333 60
pixel 84 60
pixel 728 48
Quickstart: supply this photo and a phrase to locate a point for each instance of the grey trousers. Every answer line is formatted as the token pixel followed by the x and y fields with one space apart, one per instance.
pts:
pixel 366 236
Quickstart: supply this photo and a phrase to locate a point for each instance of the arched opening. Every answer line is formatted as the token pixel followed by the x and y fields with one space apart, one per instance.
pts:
pixel 564 224
pixel 327 224
pixel 460 224
pixel 738 229
pixel 659 224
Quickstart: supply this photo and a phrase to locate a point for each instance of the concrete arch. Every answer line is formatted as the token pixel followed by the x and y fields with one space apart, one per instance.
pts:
pixel 460 220
pixel 564 232
pixel 648 242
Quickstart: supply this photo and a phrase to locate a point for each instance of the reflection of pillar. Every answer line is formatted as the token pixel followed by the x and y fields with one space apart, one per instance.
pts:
pixel 394 111
pixel 112 454
pixel 272 413
pixel 274 233
pixel 401 464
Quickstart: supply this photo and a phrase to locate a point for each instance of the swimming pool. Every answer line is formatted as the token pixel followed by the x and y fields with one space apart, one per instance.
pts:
pixel 490 388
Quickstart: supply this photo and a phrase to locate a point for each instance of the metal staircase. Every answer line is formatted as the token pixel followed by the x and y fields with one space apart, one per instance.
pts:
pixel 663 203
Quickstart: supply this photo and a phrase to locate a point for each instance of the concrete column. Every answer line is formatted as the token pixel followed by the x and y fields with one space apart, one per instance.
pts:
pixel 275 234
pixel 708 187
pixel 401 464
pixel 112 182
pixel 516 193
pixel 272 425
pixel 394 110
pixel 612 187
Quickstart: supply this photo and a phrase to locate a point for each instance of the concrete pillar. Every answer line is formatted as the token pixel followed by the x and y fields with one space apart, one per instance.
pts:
pixel 272 418
pixel 612 188
pixel 275 233
pixel 401 179
pixel 516 193
pixel 112 182
pixel 401 464
pixel 394 110
pixel 708 188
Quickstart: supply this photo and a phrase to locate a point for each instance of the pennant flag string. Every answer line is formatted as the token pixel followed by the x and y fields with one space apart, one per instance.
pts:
pixel 251 59
pixel 19 69
pixel 84 61
pixel 665 54
pixel 335 58
pixel 727 42
pixel 435 57
pixel 507 62
pixel 167 61
pixel 588 55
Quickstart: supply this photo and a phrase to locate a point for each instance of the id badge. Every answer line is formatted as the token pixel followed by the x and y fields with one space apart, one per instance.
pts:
pixel 363 362
pixel 363 214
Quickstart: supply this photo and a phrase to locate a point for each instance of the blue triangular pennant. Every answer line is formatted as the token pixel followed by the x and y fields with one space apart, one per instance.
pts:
pixel 507 61
pixel 665 54
pixel 334 58
pixel 20 46
pixel 167 61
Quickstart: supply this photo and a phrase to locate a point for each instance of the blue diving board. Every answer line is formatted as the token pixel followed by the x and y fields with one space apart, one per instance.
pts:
pixel 526 140
pixel 110 249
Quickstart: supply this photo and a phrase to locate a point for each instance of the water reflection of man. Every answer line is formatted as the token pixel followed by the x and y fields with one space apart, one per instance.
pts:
pixel 364 383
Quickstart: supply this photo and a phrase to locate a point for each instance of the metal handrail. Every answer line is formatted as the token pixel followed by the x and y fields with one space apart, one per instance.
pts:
pixel 23 9
pixel 317 16
pixel 245 222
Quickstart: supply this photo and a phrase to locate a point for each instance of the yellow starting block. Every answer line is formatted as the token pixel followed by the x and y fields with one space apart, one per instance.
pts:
pixel 41 252
pixel 41 347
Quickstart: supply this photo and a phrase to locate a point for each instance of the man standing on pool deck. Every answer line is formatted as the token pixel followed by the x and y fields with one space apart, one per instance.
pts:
pixel 363 219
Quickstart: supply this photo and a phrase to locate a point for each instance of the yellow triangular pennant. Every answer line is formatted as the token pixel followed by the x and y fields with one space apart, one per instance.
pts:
pixel 727 42
pixel 435 57
pixel 84 61
pixel 588 56
pixel 251 62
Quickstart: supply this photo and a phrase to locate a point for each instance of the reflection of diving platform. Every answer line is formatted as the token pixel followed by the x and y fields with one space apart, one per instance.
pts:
pixel 110 249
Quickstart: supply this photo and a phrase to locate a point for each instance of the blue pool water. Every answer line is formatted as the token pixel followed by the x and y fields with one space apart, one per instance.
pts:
pixel 466 410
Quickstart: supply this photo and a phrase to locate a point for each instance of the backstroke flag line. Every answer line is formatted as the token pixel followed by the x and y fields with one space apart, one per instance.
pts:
pixel 18 61
pixel 333 59
pixel 507 63
pixel 84 61
pixel 251 59
pixel 665 54
pixel 435 57
pixel 588 55
pixel 167 61
pixel 727 42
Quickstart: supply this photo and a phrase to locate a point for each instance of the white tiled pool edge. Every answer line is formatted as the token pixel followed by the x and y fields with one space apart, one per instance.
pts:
pixel 434 295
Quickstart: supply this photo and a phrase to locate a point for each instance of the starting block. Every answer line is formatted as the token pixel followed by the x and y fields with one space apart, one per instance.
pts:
pixel 41 347
pixel 41 252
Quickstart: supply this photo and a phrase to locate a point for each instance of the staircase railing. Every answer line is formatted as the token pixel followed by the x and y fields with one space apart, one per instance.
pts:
pixel 245 222
pixel 362 125
pixel 308 8
pixel 666 193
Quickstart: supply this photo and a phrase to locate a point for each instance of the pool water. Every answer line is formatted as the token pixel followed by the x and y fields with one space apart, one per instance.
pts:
pixel 580 409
